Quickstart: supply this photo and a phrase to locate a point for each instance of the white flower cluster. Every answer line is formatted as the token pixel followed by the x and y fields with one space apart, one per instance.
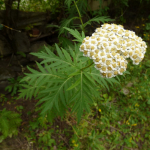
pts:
pixel 110 45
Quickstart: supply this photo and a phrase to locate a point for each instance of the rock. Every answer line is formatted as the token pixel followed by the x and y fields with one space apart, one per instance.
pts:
pixel 16 68
pixel 6 74
pixel 12 60
pixel 5 48
pixel 125 91
pixel 129 84
pixel 36 47
pixel 22 42
pixel 24 61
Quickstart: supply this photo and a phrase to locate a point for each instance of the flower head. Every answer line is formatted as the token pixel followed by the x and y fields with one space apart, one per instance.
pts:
pixel 110 45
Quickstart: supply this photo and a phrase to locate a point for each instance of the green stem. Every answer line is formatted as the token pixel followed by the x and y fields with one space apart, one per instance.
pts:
pixel 79 16
pixel 88 66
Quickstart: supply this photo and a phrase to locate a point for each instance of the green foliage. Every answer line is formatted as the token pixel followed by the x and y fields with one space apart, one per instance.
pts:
pixel 29 27
pixel 19 108
pixel 102 11
pixel 92 139
pixel 98 19
pixel 65 42
pixel 76 34
pixel 119 120
pixel 120 7
pixel 67 84
pixel 9 122
pixel 66 23
pixel 14 85
pixel 68 3
pixel 44 136
pixel 39 5
pixel 3 98
pixel 72 5
pixel 65 79
pixel 1 5
pixel 121 2
pixel 22 54
pixel 75 9
pixel 46 139
pixel 147 27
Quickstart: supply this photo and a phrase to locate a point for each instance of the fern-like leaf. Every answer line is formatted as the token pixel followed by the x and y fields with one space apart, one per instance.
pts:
pixel 98 19
pixel 66 23
pixel 68 3
pixel 9 121
pixel 63 80
pixel 79 37
pixel 82 6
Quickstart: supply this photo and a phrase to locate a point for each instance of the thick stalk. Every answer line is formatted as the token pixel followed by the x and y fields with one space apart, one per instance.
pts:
pixel 79 16
pixel 88 66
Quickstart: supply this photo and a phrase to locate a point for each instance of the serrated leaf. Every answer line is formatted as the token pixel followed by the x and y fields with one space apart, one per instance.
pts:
pixel 65 42
pixel 9 88
pixel 74 85
pixel 76 34
pixel 98 19
pixel 66 23
pixel 67 56
pixel 68 3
